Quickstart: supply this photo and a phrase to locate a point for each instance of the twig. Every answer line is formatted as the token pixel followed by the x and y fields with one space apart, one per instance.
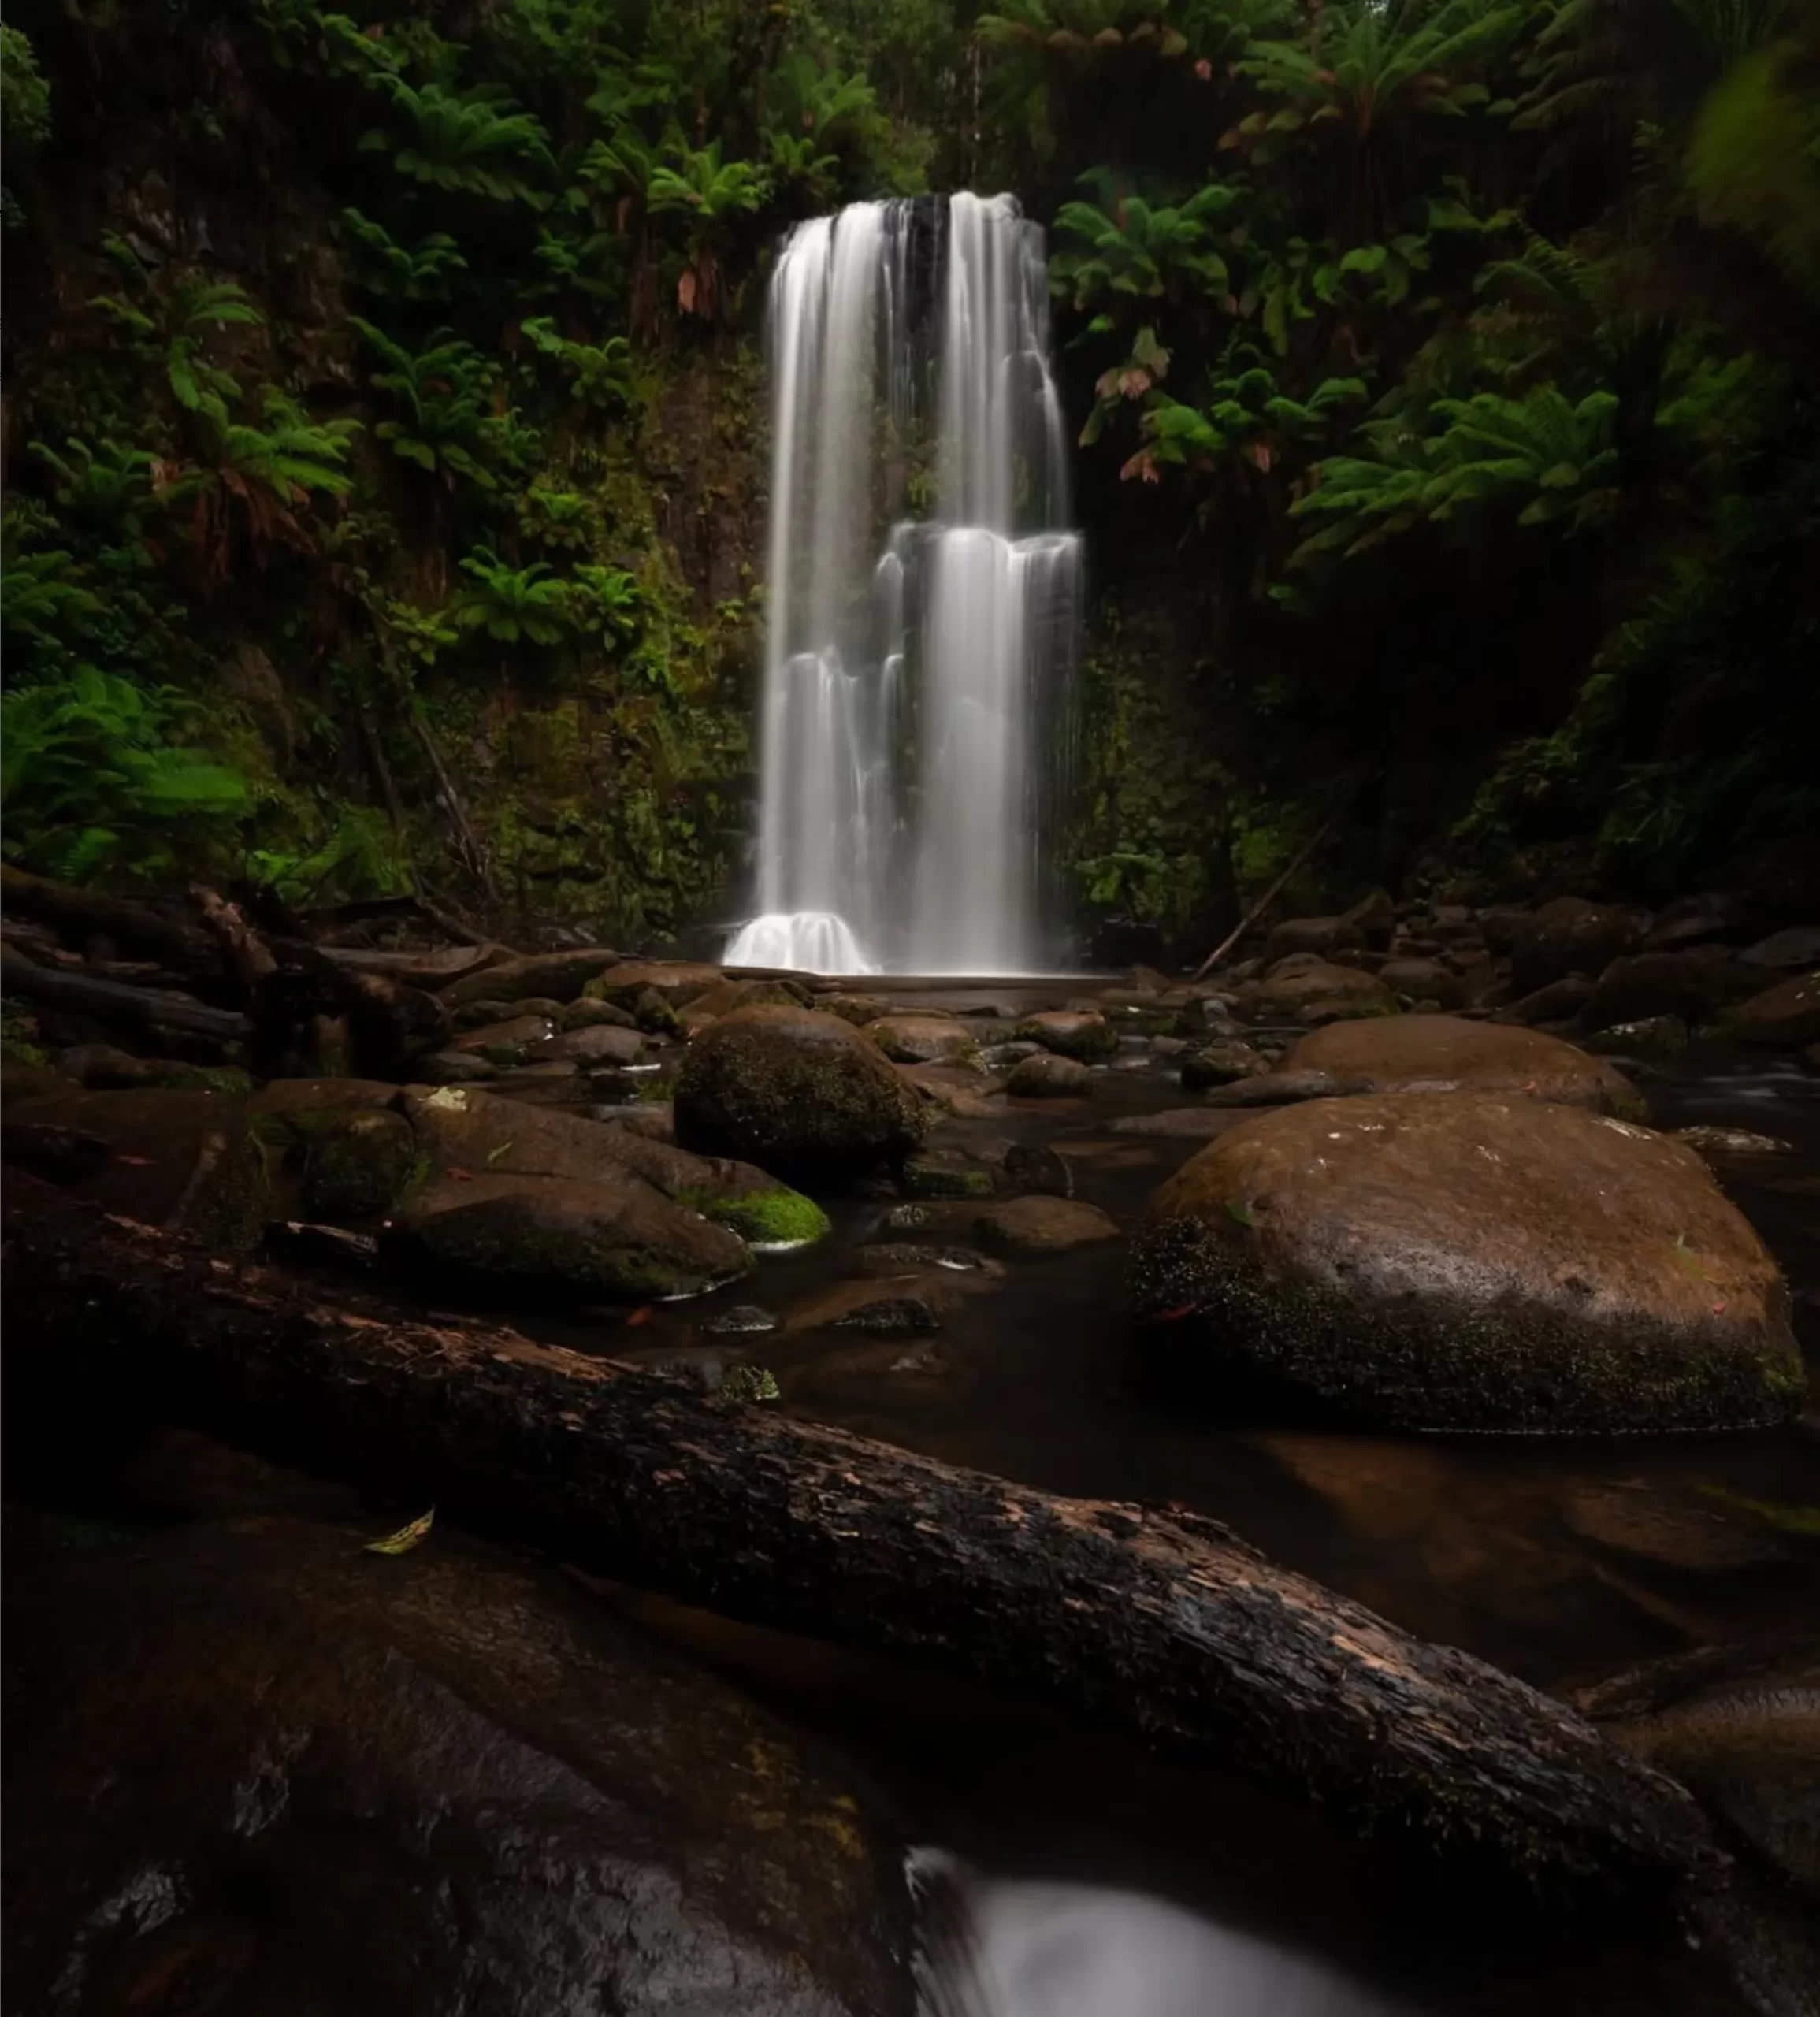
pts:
pixel 1262 905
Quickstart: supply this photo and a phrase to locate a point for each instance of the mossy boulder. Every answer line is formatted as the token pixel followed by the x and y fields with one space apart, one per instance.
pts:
pixel 1450 1054
pixel 721 1000
pixel 944 1173
pixel 1312 992
pixel 560 1240
pixel 858 1009
pixel 797 1092
pixel 1077 1032
pixel 187 1161
pixel 922 1040
pixel 358 1166
pixel 586 1015
pixel 1473 1261
pixel 480 1132
pixel 769 1217
pixel 1219 1064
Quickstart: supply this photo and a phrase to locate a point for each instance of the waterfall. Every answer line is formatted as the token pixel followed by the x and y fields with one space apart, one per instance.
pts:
pixel 923 597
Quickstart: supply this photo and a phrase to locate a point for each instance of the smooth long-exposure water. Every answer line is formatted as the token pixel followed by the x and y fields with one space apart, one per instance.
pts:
pixel 923 597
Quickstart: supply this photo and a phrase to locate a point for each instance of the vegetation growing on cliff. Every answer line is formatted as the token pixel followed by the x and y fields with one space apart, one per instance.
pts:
pixel 1469 334
pixel 384 469
pixel 380 431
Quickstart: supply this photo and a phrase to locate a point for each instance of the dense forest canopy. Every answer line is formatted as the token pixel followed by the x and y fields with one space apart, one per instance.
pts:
pixel 383 417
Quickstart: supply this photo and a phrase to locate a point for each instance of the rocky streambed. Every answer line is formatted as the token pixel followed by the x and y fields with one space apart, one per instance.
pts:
pixel 1495 1328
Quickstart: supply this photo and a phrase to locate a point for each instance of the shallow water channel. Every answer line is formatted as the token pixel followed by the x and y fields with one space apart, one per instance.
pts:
pixel 1561 1560
pixel 1111 1886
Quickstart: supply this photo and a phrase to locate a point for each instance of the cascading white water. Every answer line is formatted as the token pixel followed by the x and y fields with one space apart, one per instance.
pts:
pixel 914 714
pixel 1001 1947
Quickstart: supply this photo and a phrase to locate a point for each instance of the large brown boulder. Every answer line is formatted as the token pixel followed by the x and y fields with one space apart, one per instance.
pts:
pixel 1693 983
pixel 1787 1015
pixel 556 976
pixel 674 981
pixel 1083 1034
pixel 1313 934
pixel 1417 979
pixel 442 1780
pixel 461 1129
pixel 1312 992
pixel 796 1091
pixel 1476 1262
pixel 1569 936
pixel 615 1237
pixel 913 1039
pixel 1449 1054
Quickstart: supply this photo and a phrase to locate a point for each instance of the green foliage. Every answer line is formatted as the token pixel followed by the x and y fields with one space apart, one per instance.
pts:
pixel 1368 66
pixel 446 394
pixel 476 145
pixel 713 195
pixel 106 488
pixel 600 374
pixel 1754 162
pixel 1543 456
pixel 512 604
pixel 24 115
pixel 1125 246
pixel 89 776
pixel 395 273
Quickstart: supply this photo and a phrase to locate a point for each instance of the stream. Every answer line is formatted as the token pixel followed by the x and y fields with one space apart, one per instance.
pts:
pixel 1124 1888
pixel 1091 1880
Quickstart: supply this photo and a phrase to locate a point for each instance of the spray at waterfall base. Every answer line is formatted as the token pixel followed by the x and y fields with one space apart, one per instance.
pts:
pixel 915 719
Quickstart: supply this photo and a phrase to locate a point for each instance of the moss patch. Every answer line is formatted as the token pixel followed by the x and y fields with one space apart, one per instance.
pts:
pixel 766 1221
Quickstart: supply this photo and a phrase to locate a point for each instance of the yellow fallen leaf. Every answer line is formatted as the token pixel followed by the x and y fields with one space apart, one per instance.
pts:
pixel 405 1539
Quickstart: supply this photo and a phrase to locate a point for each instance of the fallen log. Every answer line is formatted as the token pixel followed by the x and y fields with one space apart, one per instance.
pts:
pixel 1163 1623
pixel 135 927
pixel 117 1002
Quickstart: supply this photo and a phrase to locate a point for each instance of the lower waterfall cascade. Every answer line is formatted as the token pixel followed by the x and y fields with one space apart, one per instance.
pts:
pixel 924 598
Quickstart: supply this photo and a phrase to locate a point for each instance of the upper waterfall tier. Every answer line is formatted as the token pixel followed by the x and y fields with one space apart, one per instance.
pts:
pixel 924 596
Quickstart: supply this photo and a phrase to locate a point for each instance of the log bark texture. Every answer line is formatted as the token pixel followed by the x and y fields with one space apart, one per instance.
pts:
pixel 134 927
pixel 1164 1624
pixel 117 1002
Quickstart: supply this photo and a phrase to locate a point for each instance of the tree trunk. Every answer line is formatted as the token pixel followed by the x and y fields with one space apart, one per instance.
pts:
pixel 1164 1624
pixel 81 913
pixel 115 1002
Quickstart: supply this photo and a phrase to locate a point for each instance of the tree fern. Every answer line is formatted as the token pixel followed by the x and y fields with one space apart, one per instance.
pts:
pixel 89 772
pixel 476 145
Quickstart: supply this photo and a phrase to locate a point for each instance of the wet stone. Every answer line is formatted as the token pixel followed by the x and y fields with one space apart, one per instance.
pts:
pixel 744 1319
pixel 944 1173
pixel 1711 1141
pixel 907 1257
pixel 1046 1075
pixel 1032 1166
